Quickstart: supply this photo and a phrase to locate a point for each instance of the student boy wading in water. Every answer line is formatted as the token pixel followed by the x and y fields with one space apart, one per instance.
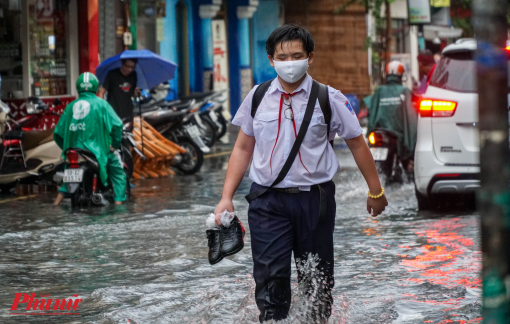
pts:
pixel 298 213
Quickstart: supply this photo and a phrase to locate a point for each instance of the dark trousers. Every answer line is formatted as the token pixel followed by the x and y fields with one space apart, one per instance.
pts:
pixel 282 223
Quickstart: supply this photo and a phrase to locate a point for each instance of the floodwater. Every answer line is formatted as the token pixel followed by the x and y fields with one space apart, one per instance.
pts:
pixel 146 261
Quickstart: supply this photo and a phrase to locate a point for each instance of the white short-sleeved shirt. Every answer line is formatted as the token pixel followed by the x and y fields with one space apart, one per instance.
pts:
pixel 317 155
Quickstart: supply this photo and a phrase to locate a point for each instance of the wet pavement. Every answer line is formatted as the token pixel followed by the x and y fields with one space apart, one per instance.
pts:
pixel 146 261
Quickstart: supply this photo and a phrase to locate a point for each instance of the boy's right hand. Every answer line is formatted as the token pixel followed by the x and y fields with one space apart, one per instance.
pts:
pixel 222 205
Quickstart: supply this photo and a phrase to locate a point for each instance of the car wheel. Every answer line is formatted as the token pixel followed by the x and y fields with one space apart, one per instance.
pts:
pixel 423 201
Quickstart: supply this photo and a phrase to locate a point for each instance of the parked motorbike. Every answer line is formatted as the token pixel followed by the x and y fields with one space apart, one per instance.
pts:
pixel 164 112
pixel 37 110
pixel 383 145
pixel 158 97
pixel 5 111
pixel 82 178
pixel 212 110
pixel 28 155
pixel 206 127
pixel 174 125
pixel 128 144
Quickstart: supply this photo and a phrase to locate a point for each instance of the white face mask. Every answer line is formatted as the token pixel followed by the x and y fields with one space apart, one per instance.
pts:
pixel 291 71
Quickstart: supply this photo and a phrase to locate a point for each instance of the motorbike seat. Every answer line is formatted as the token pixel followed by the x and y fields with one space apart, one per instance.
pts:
pixel 198 95
pixel 171 104
pixel 152 104
pixel 184 105
pixel 13 135
pixel 163 117
pixel 35 138
pixel 46 140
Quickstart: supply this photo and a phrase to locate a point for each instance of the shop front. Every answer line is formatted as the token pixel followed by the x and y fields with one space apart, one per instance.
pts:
pixel 38 52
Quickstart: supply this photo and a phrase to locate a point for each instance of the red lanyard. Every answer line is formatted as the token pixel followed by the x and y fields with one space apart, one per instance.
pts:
pixel 286 96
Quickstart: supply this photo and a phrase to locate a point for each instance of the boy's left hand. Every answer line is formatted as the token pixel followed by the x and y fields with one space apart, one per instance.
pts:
pixel 376 206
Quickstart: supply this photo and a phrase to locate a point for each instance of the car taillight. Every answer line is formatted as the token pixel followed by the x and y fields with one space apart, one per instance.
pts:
pixel 437 108
pixel 73 158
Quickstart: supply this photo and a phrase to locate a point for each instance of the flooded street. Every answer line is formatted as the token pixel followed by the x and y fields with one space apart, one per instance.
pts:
pixel 146 261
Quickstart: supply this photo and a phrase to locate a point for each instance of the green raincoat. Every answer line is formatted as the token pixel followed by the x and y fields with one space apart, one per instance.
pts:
pixel 90 123
pixel 390 108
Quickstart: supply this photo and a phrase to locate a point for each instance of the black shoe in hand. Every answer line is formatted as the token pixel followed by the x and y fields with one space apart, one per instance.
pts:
pixel 232 237
pixel 213 238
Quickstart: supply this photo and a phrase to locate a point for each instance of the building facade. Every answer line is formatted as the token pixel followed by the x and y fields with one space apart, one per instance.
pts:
pixel 341 60
pixel 216 44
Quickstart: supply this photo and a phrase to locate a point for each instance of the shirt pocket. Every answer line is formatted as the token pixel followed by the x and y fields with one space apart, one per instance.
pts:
pixel 266 126
pixel 317 130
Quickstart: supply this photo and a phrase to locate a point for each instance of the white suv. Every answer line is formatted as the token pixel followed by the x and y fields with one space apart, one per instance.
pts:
pixel 447 150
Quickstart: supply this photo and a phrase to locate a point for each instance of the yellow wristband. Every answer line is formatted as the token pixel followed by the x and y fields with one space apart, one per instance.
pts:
pixel 376 196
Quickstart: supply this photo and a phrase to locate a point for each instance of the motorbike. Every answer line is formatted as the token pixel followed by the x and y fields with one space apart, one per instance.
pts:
pixel 162 111
pixel 26 155
pixel 212 110
pixel 175 126
pixel 158 97
pixel 82 178
pixel 383 146
pixel 5 111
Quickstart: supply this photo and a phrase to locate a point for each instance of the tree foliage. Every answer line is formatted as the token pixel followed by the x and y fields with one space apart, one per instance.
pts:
pixel 460 13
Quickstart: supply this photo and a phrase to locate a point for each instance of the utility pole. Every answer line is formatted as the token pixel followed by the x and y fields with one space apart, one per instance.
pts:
pixel 490 25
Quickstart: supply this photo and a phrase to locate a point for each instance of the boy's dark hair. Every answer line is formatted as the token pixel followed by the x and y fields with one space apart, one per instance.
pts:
pixel 287 33
pixel 129 59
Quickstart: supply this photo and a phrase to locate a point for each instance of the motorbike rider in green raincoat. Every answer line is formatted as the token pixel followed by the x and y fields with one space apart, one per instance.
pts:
pixel 90 123
pixel 390 108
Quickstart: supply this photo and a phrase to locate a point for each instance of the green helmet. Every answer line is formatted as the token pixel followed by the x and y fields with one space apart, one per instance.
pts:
pixel 87 82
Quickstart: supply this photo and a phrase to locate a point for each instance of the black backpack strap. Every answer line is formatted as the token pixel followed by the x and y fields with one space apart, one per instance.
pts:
pixel 297 144
pixel 260 92
pixel 324 103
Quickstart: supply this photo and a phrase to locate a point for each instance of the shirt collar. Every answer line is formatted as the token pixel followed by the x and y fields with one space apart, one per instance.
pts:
pixel 305 85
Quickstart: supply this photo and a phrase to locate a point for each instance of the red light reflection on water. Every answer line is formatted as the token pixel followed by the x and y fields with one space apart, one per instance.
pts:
pixel 473 321
pixel 447 258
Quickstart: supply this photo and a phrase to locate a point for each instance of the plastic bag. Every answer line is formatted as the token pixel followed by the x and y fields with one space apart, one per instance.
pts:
pixel 226 219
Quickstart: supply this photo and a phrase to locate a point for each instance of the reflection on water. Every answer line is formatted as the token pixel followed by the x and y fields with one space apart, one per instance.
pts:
pixel 146 262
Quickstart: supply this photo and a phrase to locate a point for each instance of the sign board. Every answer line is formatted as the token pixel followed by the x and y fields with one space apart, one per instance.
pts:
pixel 44 10
pixel 441 17
pixel 419 12
pixel 220 59
pixel 440 3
